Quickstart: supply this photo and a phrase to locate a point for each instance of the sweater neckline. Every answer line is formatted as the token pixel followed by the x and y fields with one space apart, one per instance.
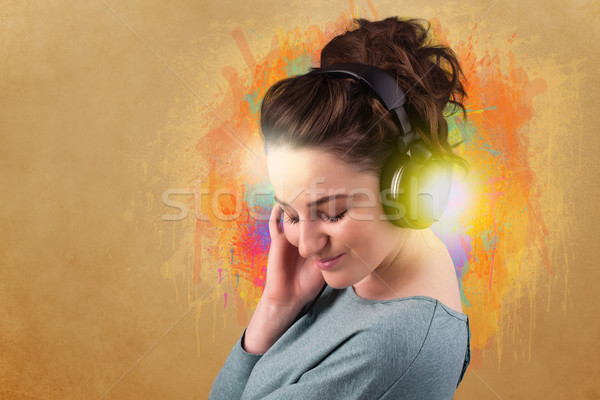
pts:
pixel 352 294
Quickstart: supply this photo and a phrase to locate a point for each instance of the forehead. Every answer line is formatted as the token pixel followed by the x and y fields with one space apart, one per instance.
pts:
pixel 312 172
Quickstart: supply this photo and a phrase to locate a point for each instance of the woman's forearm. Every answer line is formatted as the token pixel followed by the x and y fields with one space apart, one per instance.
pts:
pixel 267 325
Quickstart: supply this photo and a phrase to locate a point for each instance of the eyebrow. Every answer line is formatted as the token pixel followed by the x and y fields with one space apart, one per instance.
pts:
pixel 316 202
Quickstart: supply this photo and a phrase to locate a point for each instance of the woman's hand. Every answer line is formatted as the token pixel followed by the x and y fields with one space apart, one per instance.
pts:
pixel 292 280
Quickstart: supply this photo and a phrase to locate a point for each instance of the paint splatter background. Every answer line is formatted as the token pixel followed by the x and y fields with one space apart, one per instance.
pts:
pixel 493 218
pixel 133 251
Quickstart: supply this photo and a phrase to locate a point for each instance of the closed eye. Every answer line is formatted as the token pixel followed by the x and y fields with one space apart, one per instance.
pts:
pixel 337 217
pixel 291 220
pixel 294 220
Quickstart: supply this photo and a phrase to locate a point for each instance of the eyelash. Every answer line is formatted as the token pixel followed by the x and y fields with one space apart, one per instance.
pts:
pixel 295 220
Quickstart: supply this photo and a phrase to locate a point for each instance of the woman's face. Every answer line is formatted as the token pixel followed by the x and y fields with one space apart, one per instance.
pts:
pixel 351 223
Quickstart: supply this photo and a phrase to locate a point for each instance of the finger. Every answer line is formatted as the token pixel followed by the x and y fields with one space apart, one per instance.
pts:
pixel 274 221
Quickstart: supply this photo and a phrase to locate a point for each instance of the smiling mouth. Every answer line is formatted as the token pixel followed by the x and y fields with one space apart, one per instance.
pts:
pixel 329 263
pixel 327 259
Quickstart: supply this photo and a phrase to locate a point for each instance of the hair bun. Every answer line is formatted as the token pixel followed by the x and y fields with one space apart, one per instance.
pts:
pixel 343 118
pixel 428 72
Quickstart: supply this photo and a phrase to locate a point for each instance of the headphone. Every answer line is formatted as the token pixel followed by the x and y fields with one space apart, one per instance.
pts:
pixel 415 184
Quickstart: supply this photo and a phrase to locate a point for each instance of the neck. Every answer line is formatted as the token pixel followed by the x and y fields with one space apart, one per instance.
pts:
pixel 400 267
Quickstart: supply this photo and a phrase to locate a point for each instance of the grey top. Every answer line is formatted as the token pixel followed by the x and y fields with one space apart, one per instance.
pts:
pixel 342 346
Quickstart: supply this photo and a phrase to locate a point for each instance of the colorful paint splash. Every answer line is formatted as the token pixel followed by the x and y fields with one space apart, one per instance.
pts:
pixel 493 227
pixel 497 238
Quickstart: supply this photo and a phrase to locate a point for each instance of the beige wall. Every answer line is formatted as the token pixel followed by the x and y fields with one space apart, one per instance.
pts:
pixel 97 103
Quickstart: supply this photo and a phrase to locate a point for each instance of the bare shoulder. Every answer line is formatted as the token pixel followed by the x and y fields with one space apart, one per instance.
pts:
pixel 439 276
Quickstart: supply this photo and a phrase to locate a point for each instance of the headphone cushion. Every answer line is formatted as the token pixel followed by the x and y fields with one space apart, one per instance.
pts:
pixel 415 193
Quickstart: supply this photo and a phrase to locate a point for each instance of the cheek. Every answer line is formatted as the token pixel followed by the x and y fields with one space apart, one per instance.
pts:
pixel 362 235
pixel 346 233
pixel 291 233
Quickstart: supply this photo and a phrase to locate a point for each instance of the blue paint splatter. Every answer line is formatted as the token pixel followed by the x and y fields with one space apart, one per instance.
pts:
pixel 252 30
pixel 253 100
pixel 216 158
pixel 299 65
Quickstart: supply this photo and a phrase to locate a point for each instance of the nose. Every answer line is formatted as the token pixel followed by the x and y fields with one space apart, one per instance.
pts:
pixel 311 238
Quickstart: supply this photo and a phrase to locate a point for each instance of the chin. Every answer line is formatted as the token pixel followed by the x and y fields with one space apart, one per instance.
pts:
pixel 335 285
pixel 338 282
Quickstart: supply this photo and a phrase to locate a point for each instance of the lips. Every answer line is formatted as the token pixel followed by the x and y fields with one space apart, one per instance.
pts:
pixel 328 263
pixel 327 259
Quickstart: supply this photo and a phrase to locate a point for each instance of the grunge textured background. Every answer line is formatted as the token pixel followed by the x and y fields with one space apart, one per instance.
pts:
pixel 131 261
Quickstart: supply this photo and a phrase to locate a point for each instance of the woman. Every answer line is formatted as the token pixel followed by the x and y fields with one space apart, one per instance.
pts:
pixel 356 305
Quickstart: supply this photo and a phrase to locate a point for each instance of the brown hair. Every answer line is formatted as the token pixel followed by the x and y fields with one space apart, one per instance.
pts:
pixel 342 117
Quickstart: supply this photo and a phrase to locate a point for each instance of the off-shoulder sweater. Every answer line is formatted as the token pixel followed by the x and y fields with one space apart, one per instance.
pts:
pixel 342 346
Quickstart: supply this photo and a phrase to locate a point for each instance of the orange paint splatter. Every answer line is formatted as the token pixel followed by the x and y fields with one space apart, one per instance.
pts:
pixel 497 240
